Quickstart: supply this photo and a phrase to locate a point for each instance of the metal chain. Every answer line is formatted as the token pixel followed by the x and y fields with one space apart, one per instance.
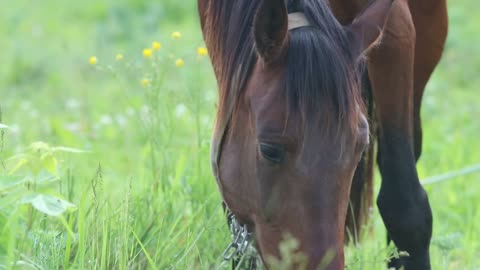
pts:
pixel 240 251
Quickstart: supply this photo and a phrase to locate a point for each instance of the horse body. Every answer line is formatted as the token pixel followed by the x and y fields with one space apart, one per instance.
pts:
pixel 290 142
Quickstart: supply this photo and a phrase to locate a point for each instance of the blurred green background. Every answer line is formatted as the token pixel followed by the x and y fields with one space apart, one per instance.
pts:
pixel 142 191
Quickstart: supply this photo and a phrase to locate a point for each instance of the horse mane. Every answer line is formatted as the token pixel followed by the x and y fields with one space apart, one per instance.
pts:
pixel 319 77
pixel 229 39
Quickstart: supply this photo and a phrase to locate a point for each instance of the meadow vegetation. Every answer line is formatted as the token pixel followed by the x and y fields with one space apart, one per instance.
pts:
pixel 107 108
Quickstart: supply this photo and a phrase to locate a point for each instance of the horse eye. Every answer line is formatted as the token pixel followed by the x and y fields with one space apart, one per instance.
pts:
pixel 274 153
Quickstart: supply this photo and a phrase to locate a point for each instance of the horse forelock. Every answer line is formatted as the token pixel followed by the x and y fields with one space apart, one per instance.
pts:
pixel 322 79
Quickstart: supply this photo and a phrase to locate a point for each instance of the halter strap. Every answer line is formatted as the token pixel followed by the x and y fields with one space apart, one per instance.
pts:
pixel 297 20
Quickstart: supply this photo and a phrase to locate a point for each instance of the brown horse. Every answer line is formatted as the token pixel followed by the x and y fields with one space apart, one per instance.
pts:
pixel 297 80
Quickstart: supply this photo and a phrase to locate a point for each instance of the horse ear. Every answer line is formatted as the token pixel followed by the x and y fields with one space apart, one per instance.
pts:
pixel 367 28
pixel 271 30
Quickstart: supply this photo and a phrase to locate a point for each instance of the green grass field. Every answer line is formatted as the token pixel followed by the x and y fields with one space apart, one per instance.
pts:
pixel 140 193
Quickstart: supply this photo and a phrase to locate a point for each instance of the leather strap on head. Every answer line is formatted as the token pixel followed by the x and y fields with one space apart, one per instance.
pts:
pixel 297 20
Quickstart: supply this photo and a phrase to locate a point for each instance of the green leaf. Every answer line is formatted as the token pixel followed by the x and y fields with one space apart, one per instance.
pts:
pixel 19 165
pixel 48 204
pixel 68 150
pixel 2 126
pixel 50 163
pixel 45 177
pixel 12 181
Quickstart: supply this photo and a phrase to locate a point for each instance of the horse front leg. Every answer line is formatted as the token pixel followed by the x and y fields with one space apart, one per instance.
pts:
pixel 431 24
pixel 402 201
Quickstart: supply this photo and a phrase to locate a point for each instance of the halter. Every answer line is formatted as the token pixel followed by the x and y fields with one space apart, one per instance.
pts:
pixel 297 20
pixel 241 250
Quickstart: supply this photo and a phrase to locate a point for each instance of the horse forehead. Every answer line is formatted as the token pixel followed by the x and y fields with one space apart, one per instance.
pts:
pixel 264 79
pixel 265 90
pixel 270 118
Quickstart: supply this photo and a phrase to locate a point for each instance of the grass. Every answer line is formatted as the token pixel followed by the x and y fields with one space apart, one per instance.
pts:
pixel 143 191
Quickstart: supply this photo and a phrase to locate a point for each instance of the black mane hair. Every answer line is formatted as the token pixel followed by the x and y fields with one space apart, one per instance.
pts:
pixel 321 78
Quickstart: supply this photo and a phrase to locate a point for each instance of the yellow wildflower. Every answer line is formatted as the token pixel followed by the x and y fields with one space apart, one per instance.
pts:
pixel 119 57
pixel 202 51
pixel 179 63
pixel 176 35
pixel 145 82
pixel 156 45
pixel 93 60
pixel 147 53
